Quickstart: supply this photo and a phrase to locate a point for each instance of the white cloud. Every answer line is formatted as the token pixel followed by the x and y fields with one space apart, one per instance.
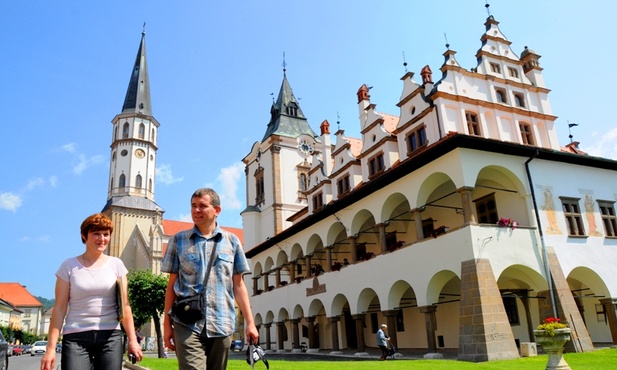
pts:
pixel 229 178
pixel 186 217
pixel 605 146
pixel 69 148
pixel 10 201
pixel 53 181
pixel 84 163
pixel 164 175
pixel 35 183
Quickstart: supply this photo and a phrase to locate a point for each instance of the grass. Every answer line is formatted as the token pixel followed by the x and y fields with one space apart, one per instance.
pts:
pixel 600 359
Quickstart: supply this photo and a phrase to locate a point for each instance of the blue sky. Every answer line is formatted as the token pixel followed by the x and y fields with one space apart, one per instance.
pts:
pixel 65 67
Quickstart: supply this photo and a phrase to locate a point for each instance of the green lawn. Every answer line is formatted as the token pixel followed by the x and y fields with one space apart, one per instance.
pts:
pixel 603 359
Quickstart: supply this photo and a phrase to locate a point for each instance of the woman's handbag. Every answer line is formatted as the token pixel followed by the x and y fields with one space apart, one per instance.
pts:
pixel 193 308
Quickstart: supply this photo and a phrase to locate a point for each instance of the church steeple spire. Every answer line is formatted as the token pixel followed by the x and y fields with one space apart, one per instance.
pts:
pixel 286 117
pixel 137 98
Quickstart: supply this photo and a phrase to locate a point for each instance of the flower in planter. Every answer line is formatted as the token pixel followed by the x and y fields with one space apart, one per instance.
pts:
pixel 507 222
pixel 550 324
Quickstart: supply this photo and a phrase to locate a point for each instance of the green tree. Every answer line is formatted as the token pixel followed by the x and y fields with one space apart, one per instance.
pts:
pixel 147 298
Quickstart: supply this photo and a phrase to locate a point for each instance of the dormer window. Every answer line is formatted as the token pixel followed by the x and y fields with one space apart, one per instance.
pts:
pixel 501 96
pixel 376 165
pixel 317 201
pixel 343 185
pixel 473 126
pixel 292 109
pixel 495 68
pixel 416 139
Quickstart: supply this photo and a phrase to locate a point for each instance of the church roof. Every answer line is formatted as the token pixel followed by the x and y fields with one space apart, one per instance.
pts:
pixel 128 201
pixel 286 117
pixel 17 295
pixel 137 98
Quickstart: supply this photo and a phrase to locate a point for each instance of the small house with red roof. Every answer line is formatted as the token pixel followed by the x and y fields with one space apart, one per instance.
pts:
pixel 25 303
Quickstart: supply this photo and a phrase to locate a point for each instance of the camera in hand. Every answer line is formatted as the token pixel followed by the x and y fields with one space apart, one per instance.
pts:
pixel 132 358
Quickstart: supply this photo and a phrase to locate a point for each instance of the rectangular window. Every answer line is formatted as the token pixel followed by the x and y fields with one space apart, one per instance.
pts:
pixel 513 72
pixel 607 210
pixel 486 209
pixel 427 227
pixel 509 304
pixel 501 96
pixel 317 201
pixel 519 100
pixel 495 68
pixel 526 135
pixel 574 219
pixel 416 139
pixel 473 126
pixel 376 165
pixel 343 185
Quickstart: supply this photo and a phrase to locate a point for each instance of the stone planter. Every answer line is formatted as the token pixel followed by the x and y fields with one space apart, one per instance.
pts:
pixel 553 346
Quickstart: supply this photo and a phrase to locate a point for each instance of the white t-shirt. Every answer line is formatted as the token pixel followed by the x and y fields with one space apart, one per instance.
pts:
pixel 92 296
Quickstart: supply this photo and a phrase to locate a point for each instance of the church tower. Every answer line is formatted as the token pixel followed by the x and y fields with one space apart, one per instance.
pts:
pixel 277 169
pixel 130 200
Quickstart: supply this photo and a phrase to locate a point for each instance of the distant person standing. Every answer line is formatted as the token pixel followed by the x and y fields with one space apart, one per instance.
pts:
pixel 210 261
pixel 86 307
pixel 382 341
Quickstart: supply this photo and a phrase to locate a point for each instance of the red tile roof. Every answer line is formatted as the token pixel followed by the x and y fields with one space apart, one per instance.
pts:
pixel 18 295
pixel 171 227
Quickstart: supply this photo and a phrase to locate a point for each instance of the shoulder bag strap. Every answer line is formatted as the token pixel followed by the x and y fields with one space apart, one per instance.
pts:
pixel 210 263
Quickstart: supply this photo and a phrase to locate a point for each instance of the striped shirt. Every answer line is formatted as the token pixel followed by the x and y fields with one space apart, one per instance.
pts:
pixel 187 256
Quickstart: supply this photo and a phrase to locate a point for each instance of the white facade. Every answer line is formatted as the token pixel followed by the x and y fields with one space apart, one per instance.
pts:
pixel 421 236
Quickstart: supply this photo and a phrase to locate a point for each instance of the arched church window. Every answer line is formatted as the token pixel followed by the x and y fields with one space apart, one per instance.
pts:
pixel 122 181
pixel 138 182
pixel 125 130
pixel 142 130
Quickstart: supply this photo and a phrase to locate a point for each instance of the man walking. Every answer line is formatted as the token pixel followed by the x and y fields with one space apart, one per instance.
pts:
pixel 195 268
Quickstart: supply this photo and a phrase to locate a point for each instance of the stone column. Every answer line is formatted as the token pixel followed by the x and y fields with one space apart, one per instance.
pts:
pixel 278 276
pixel 484 329
pixel 266 281
pixel 255 287
pixel 391 322
pixel 295 334
pixel 292 271
pixel 469 217
pixel 334 332
pixel 610 310
pixel 417 216
pixel 311 332
pixel 430 324
pixel 352 243
pixel 280 326
pixel 307 273
pixel 359 319
pixel 268 338
pixel 382 238
pixel 328 257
